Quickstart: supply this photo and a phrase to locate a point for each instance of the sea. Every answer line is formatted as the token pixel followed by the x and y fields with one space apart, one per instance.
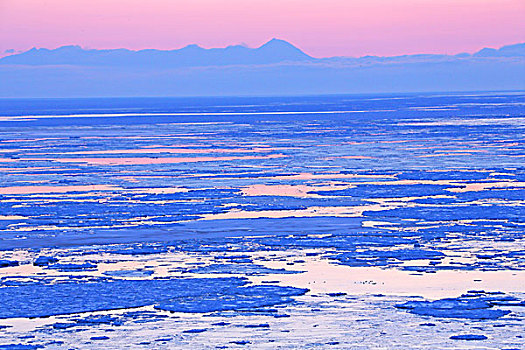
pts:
pixel 386 221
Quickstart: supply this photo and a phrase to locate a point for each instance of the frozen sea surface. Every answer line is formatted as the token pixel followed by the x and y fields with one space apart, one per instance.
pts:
pixel 338 222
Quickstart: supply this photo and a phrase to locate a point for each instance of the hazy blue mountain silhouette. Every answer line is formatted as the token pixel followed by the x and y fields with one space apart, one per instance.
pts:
pixel 516 50
pixel 275 68
pixel 274 51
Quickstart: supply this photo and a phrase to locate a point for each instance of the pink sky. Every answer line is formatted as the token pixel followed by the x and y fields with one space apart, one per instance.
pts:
pixel 319 27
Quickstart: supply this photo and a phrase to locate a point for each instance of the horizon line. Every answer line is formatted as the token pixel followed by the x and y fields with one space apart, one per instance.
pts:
pixel 6 53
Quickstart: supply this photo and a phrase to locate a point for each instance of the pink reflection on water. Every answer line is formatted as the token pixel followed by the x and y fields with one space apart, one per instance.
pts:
pixel 145 161
pixel 350 157
pixel 310 176
pixel 147 150
pixel 300 191
pixel 324 277
pixel 161 190
pixel 55 189
pixel 12 217
pixel 24 169
pixel 482 186
pixel 347 211
pixel 444 155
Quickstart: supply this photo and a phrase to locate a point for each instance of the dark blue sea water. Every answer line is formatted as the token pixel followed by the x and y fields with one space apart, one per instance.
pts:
pixel 429 185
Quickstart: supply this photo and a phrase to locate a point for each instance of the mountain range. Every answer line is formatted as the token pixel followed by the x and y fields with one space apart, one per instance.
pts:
pixel 275 68
pixel 274 51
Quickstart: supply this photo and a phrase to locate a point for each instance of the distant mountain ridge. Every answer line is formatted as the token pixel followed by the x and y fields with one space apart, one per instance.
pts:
pixel 516 50
pixel 275 68
pixel 274 51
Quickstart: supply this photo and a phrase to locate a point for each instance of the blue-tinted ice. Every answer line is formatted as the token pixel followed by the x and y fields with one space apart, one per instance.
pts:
pixel 150 223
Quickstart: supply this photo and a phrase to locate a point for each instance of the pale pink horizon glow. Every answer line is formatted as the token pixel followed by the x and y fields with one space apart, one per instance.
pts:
pixel 319 27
